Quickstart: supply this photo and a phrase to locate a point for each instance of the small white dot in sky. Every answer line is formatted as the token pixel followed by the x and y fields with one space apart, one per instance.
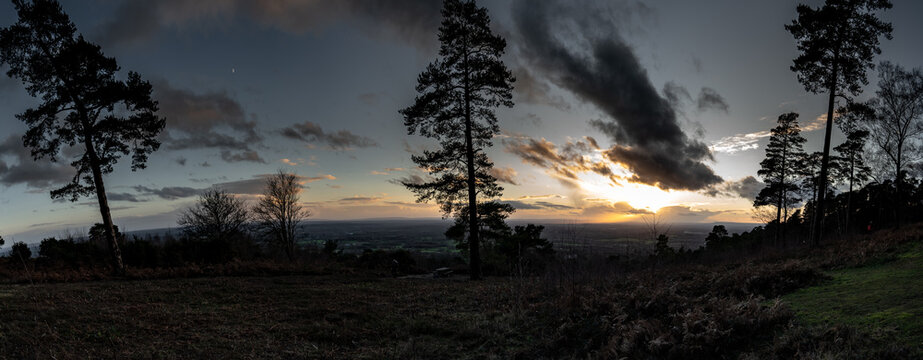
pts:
pixel 233 70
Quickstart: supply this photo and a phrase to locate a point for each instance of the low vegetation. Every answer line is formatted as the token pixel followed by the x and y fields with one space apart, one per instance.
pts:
pixel 778 305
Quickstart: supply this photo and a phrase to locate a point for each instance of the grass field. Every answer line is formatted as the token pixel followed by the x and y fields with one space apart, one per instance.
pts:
pixel 672 311
pixel 885 296
pixel 255 317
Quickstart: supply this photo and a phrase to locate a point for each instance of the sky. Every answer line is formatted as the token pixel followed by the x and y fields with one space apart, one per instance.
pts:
pixel 622 108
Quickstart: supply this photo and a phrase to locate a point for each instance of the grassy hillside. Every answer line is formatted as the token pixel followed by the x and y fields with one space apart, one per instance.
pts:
pixel 885 296
pixel 857 299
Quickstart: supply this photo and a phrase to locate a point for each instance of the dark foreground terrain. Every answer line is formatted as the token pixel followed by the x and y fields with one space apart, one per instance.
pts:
pixel 858 299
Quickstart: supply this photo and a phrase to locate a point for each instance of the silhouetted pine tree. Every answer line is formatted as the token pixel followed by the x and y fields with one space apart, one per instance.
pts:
pixel 458 95
pixel 781 168
pixel 851 168
pixel 837 43
pixel 83 104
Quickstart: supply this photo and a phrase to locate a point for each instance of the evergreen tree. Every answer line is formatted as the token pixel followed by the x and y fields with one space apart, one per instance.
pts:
pixel 851 168
pixel 83 103
pixel 458 96
pixel 780 169
pixel 837 43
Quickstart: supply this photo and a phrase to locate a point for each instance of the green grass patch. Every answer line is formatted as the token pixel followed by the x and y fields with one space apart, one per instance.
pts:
pixel 880 296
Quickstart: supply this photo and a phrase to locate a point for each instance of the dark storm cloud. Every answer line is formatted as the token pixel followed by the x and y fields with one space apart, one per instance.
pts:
pixel 311 133
pixel 40 174
pixel 589 58
pixel 676 94
pixel 747 188
pixel 411 21
pixel 711 99
pixel 210 120
pixel 530 90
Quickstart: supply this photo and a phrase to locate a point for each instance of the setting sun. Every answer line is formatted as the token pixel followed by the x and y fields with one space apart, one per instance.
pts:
pixel 639 196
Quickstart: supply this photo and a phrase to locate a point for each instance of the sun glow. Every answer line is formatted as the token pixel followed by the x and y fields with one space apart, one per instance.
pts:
pixel 639 196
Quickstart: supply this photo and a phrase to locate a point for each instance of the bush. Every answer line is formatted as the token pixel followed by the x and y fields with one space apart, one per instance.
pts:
pixel 20 251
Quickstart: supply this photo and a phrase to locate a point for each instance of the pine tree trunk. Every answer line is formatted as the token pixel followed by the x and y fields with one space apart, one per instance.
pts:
pixel 822 188
pixel 473 228
pixel 117 265
pixel 852 175
pixel 897 184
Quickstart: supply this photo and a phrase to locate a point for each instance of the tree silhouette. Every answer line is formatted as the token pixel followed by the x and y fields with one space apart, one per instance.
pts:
pixel 279 212
pixel 897 123
pixel 809 170
pixel 781 168
pixel 851 168
pixel 83 103
pixel 458 95
pixel 216 215
pixel 837 43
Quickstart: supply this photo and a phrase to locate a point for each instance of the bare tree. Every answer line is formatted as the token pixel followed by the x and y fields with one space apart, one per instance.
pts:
pixel 216 216
pixel 897 125
pixel 279 212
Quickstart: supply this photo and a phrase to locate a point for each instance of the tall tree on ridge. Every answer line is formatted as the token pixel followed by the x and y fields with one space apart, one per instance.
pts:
pixel 852 168
pixel 83 104
pixel 897 124
pixel 780 169
pixel 458 95
pixel 837 43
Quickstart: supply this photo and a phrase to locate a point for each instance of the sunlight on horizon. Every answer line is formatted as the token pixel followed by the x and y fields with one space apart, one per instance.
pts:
pixel 639 196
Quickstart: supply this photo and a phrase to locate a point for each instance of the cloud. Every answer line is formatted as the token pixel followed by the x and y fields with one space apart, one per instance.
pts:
pixel 504 174
pixel 520 205
pixel 210 120
pixel 409 179
pixel 547 196
pixel 538 205
pixel 530 90
pixel 598 209
pixel 747 188
pixel 676 94
pixel 168 193
pixel 180 160
pixel 243 156
pixel 566 162
pixel 39 174
pixel 387 171
pixel 710 99
pixel 743 142
pixel 360 199
pixel 739 142
pixel 414 22
pixel 123 197
pixel 288 162
pixel 311 133
pixel 579 49
pixel 256 184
